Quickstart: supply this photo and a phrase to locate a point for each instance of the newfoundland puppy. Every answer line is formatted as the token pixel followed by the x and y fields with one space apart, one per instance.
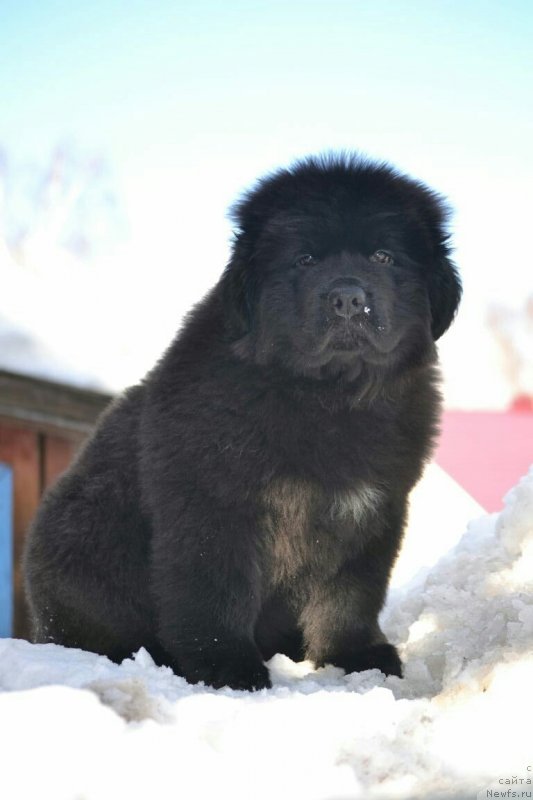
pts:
pixel 249 496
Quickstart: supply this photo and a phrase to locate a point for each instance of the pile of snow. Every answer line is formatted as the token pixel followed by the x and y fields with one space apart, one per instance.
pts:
pixel 75 726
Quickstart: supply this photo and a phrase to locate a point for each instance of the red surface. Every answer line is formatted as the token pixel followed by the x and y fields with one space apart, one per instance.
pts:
pixel 486 452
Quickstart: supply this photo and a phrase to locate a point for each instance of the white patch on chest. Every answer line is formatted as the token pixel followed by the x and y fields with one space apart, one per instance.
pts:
pixel 296 526
pixel 356 505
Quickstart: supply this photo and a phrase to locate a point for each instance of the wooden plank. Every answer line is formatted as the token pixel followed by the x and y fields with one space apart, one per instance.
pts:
pixel 6 551
pixel 20 449
pixel 50 406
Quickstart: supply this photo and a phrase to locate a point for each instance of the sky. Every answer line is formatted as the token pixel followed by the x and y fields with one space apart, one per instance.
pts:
pixel 189 102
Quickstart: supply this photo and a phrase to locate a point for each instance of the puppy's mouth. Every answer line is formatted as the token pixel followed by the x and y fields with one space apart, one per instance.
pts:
pixel 359 334
pixel 346 344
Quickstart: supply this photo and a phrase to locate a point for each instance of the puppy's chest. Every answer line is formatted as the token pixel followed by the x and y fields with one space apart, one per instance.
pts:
pixel 307 528
pixel 345 446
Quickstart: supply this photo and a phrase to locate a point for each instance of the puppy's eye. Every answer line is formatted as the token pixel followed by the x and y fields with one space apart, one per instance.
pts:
pixel 306 260
pixel 382 257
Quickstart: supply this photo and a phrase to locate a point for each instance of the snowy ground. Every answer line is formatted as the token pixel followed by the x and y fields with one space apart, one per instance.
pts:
pixel 74 726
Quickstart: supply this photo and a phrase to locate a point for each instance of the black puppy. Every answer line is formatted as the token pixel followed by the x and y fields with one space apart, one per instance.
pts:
pixel 249 496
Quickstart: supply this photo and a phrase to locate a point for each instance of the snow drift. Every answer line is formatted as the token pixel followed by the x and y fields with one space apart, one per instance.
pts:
pixel 73 725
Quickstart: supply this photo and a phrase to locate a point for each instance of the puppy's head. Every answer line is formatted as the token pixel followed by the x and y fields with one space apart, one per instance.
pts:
pixel 339 262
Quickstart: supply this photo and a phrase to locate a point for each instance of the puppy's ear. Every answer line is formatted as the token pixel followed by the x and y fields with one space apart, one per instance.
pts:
pixel 444 289
pixel 239 288
pixel 443 282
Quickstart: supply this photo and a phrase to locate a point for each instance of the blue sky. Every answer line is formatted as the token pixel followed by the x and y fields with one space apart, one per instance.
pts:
pixel 253 80
pixel 190 101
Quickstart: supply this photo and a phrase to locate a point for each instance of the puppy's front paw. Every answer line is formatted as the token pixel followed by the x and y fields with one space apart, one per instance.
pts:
pixel 378 656
pixel 246 672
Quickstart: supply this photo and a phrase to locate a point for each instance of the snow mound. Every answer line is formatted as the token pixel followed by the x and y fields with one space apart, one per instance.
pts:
pixel 76 726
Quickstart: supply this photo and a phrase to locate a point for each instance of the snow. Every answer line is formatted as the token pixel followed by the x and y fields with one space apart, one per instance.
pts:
pixel 429 535
pixel 73 725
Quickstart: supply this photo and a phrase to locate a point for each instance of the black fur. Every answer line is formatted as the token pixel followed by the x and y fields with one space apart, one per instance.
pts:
pixel 249 496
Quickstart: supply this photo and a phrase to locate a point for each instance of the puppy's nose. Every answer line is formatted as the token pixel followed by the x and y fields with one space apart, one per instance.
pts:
pixel 347 301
